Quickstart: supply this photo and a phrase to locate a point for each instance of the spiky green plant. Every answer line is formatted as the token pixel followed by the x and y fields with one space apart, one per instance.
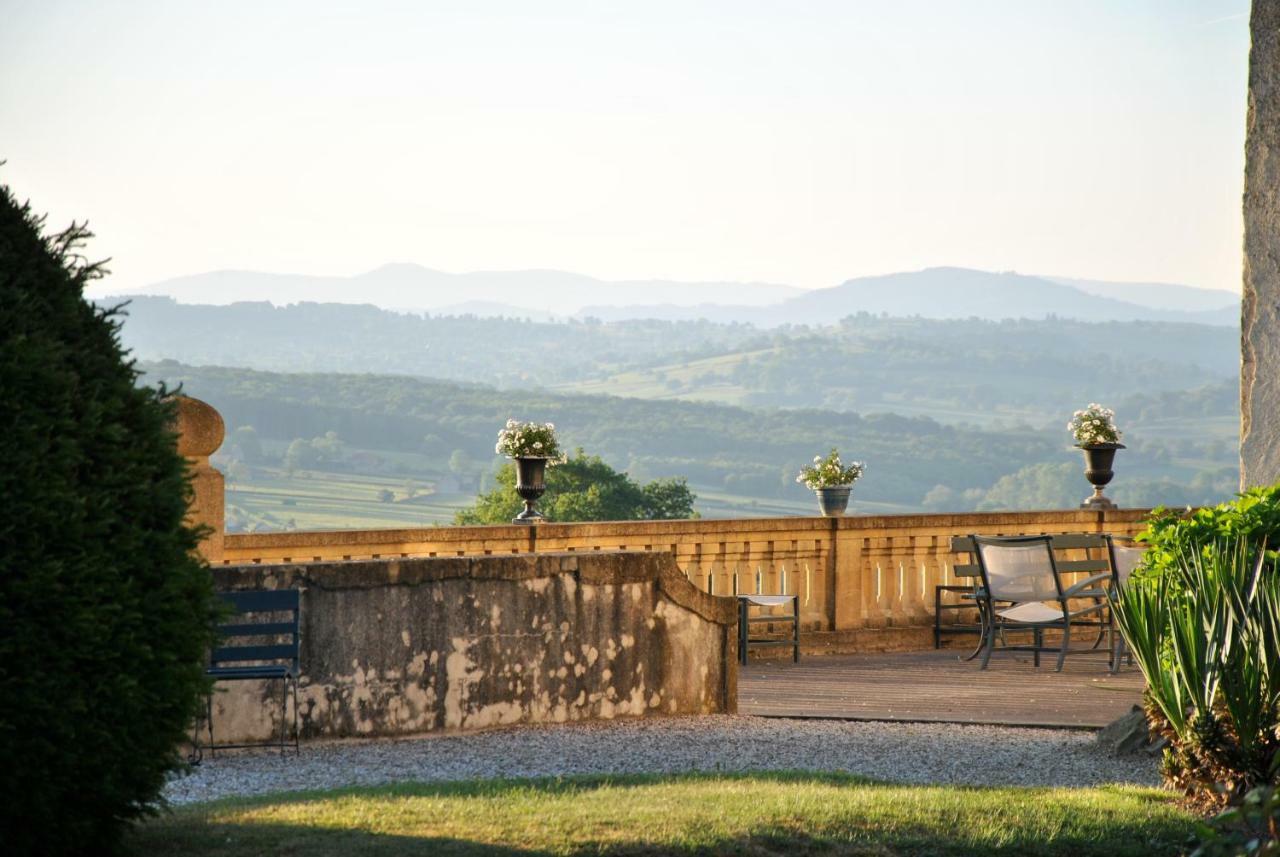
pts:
pixel 1205 634
pixel 1142 613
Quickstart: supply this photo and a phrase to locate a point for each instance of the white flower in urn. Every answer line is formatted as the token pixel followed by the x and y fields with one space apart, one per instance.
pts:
pixel 830 472
pixel 1094 425
pixel 530 440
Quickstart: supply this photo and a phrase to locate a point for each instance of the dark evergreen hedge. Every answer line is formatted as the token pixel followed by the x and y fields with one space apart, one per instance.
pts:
pixel 104 611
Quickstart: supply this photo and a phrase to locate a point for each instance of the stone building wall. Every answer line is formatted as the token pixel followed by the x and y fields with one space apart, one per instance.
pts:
pixel 1260 314
pixel 420 645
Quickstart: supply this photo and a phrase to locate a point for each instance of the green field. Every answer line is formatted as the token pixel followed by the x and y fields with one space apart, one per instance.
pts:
pixel 751 814
pixel 269 499
pixel 704 380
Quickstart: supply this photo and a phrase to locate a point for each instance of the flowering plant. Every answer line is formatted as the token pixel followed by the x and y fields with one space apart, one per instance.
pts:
pixel 529 440
pixel 1095 424
pixel 830 472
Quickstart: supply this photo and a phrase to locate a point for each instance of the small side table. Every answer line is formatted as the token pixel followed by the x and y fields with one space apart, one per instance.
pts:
pixel 745 602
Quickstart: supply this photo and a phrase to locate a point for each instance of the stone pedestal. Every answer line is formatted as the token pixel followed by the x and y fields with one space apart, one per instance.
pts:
pixel 1260 315
pixel 200 433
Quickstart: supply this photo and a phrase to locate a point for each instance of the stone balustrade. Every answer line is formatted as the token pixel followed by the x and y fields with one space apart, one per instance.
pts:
pixel 865 582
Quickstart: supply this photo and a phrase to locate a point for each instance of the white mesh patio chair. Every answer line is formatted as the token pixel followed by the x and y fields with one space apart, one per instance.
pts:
pixel 1125 555
pixel 1022 570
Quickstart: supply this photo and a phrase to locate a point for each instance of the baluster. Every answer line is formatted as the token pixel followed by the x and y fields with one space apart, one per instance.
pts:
pixel 880 559
pixel 721 561
pixel 765 557
pixel 914 580
pixel 698 560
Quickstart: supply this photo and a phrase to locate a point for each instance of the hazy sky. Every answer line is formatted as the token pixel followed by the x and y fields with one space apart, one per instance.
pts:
pixel 797 142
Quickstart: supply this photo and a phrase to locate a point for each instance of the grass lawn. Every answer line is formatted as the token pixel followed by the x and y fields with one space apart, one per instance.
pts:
pixel 754 814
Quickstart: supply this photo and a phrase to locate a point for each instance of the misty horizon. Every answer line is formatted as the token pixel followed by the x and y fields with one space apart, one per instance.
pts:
pixel 546 295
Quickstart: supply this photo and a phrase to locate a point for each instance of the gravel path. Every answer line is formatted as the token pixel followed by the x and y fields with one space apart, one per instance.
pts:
pixel 901 752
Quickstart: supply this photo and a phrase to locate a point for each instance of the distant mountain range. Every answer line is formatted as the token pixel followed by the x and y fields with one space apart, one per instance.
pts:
pixel 932 293
pixel 956 293
pixel 534 294
pixel 1162 295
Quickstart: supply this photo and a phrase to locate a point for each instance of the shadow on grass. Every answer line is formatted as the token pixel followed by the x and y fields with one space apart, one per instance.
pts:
pixel 551 829
pixel 558 786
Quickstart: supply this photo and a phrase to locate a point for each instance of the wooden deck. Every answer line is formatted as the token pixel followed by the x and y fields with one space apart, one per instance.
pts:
pixel 935 686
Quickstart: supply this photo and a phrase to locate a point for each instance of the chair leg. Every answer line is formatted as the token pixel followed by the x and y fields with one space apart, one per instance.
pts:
pixel 1104 628
pixel 991 638
pixel 284 714
pixel 796 655
pixel 196 756
pixel 742 632
pixel 209 722
pixel 1114 665
pixel 937 617
pixel 984 629
pixel 296 736
pixel 1066 643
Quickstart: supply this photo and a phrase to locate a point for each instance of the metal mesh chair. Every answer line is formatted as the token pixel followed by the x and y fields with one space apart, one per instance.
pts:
pixel 1022 571
pixel 1126 556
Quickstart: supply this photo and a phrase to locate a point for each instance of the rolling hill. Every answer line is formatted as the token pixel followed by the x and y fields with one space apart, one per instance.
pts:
pixel 961 370
pixel 415 288
pixel 542 295
pixel 944 293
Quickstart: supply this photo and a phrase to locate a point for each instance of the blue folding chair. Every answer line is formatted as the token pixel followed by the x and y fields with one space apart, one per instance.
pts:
pixel 264 648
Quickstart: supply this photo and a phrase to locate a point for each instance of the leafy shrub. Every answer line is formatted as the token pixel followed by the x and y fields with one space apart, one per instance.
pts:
pixel 1253 516
pixel 1251 829
pixel 104 610
pixel 584 488
pixel 1203 621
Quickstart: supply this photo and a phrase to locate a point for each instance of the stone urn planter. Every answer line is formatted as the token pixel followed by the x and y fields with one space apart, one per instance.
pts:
pixel 1098 459
pixel 531 483
pixel 833 501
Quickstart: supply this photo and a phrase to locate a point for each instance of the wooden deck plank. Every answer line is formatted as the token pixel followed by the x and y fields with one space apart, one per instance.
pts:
pixel 935 686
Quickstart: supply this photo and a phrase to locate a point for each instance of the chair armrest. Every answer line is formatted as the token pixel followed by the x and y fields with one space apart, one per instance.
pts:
pixel 1076 591
pixel 1083 611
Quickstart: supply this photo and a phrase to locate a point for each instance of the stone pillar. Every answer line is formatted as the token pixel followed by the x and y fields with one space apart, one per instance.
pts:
pixel 1260 311
pixel 200 433
pixel 849 586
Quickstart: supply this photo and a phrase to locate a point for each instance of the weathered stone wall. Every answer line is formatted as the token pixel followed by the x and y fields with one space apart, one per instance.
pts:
pixel 1260 315
pixel 416 645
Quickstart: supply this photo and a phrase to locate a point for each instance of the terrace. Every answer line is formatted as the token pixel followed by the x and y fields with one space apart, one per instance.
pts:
pixel 878 738
pixel 865 586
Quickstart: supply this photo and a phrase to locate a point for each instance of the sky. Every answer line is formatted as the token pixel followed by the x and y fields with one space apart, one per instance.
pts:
pixel 799 142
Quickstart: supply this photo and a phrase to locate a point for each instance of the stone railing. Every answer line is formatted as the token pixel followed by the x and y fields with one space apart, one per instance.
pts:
pixel 855 574
pixel 864 582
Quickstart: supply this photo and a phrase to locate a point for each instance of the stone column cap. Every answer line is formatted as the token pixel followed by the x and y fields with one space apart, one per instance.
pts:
pixel 200 427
